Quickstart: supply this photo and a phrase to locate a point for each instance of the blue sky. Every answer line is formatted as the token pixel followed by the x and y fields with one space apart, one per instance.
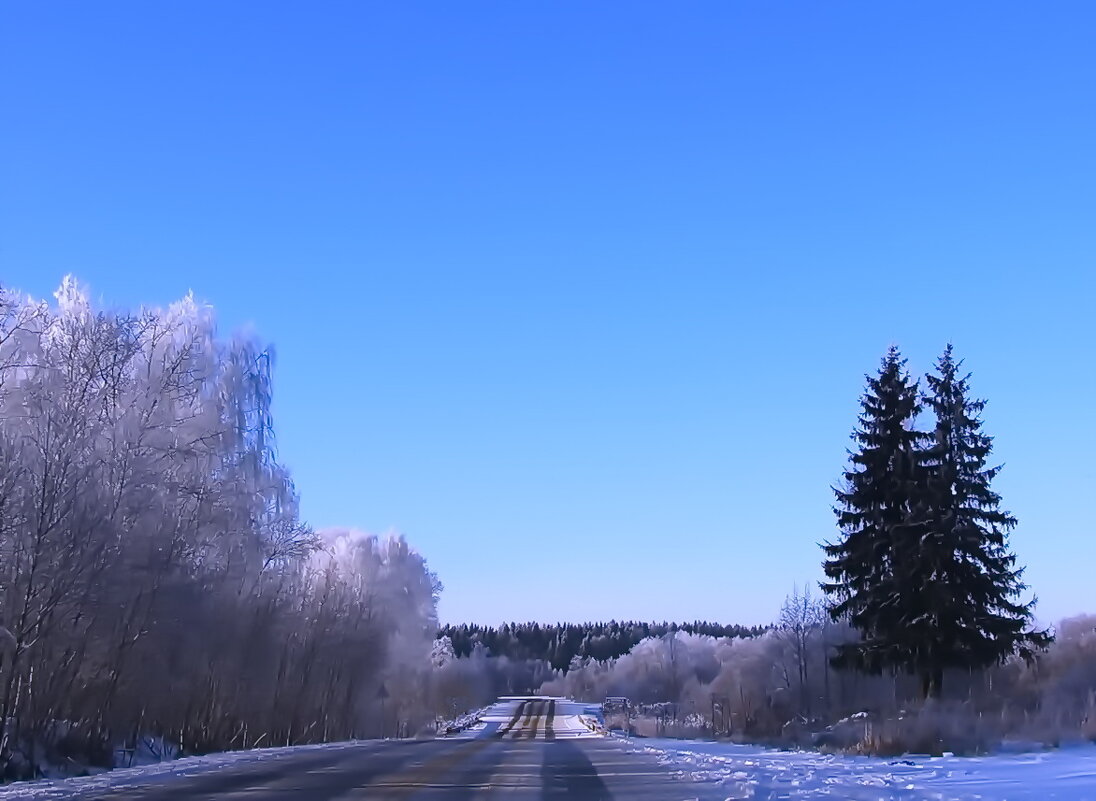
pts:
pixel 580 296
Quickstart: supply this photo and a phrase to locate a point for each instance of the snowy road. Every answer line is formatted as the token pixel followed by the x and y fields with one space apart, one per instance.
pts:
pixel 544 749
pixel 531 749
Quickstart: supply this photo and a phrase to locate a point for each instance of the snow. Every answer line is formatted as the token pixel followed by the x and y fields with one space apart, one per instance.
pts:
pixel 92 787
pixel 739 771
pixel 750 772
pixel 571 720
pixel 467 721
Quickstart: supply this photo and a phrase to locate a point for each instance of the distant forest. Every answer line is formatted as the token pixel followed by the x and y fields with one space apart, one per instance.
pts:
pixel 560 643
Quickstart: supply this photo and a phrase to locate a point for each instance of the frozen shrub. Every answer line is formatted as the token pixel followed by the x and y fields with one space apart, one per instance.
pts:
pixel 935 729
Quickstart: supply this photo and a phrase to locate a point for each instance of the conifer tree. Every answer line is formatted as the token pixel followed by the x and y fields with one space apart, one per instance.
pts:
pixel 968 612
pixel 880 513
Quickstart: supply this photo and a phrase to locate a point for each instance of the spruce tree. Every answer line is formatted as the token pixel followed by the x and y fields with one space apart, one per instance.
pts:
pixel 967 613
pixel 880 513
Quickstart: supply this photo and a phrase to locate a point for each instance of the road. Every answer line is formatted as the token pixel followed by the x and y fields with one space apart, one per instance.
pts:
pixel 523 749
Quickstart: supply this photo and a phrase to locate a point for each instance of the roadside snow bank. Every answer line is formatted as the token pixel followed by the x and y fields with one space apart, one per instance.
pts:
pixel 468 720
pixel 750 772
pixel 92 787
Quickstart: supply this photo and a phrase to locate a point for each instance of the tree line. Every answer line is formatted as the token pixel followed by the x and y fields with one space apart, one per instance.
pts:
pixel 560 644
pixel 155 576
pixel 781 688
pixel 921 584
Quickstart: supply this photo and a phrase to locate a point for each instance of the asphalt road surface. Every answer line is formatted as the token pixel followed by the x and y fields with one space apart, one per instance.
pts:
pixel 523 749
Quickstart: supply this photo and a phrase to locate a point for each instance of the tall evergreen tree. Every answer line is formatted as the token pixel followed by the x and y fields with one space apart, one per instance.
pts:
pixel 968 611
pixel 880 513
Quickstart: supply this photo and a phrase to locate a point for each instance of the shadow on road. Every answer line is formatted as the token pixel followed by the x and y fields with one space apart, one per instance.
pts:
pixel 477 771
pixel 568 773
pixel 550 722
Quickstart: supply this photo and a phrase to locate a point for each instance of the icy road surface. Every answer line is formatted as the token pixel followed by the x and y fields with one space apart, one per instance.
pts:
pixel 544 749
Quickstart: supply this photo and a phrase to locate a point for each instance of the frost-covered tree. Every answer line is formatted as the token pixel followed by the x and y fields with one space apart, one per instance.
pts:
pixel 801 626
pixel 560 643
pixel 155 577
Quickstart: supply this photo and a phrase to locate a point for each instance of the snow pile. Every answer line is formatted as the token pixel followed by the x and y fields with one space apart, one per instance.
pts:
pixel 749 772
pixel 468 720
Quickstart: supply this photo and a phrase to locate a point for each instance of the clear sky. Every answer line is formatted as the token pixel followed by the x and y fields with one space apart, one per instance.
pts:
pixel 580 296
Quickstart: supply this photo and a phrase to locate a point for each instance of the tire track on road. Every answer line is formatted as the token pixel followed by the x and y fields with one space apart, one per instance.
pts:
pixel 531 732
pixel 550 722
pixel 513 721
pixel 531 705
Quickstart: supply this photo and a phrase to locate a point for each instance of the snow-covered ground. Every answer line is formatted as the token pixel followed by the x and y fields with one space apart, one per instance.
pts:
pixel 569 720
pixel 90 787
pixel 463 721
pixel 738 771
pixel 750 772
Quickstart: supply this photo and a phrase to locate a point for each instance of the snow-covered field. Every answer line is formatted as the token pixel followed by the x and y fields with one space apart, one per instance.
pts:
pixel 749 772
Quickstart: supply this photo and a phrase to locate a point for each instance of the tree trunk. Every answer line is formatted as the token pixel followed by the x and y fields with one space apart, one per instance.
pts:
pixel 932 683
